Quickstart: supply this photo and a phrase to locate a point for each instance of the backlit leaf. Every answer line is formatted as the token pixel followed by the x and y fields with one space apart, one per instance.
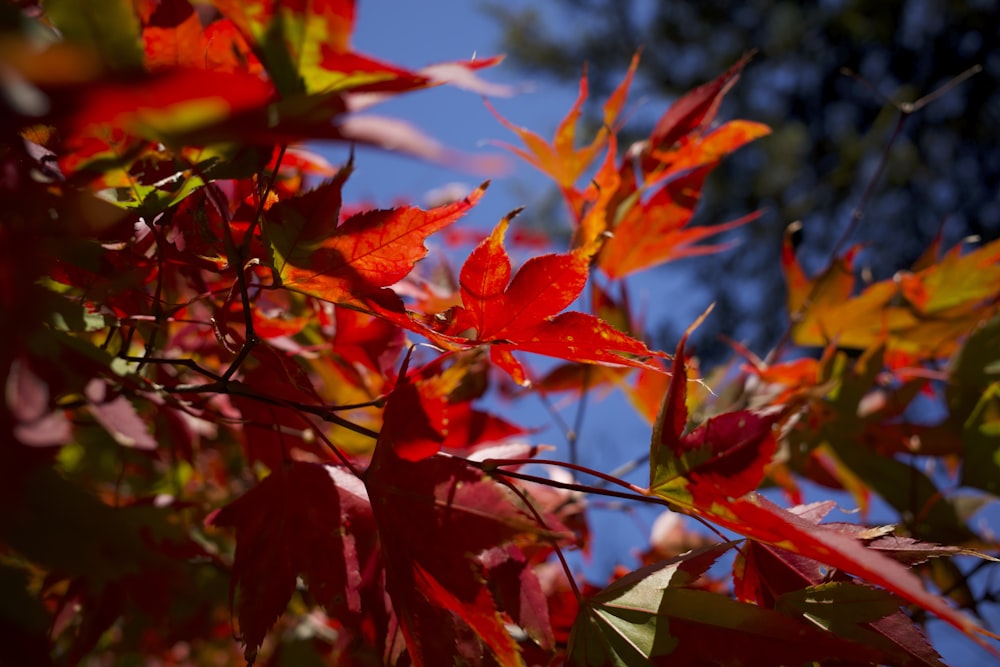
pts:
pixel 655 615
pixel 367 251
pixel 301 520
pixel 440 596
pixel 561 159
pixel 523 312
pixel 925 312
pixel 726 454
pixel 758 518
pixel 693 111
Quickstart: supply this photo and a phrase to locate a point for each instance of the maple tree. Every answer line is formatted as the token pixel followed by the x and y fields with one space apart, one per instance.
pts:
pixel 234 404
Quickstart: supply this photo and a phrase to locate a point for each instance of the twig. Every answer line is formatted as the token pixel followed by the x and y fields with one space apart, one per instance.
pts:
pixel 541 522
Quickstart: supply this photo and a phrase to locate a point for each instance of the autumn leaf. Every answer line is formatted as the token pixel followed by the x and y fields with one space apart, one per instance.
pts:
pixel 35 422
pixel 925 312
pixel 561 159
pixel 721 494
pixel 756 517
pixel 440 596
pixel 170 104
pixel 655 231
pixel 366 342
pixel 847 434
pixel 635 229
pixel 903 548
pixel 655 616
pixel 118 416
pixel 775 577
pixel 726 454
pixel 370 250
pixel 289 37
pixel 303 520
pixel 866 615
pixel 172 35
pixel 446 392
pixel 703 150
pixel 523 312
pixel 691 113
pixel 516 588
pixel 306 49
pixel 272 430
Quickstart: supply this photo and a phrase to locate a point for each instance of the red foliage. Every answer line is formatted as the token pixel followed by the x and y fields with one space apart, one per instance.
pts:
pixel 212 422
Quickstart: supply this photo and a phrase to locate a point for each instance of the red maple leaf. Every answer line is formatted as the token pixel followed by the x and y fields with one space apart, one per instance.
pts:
pixel 440 596
pixel 723 457
pixel 304 519
pixel 525 312
pixel 368 251
pixel 763 573
pixel 272 430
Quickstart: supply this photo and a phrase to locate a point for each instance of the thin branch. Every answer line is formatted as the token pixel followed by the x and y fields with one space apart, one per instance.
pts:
pixel 857 213
pixel 501 463
pixel 561 423
pixel 941 91
pixel 541 522
pixel 223 386
pixel 235 258
pixel 569 486
pixel 581 412
pixel 183 362
pixel 262 202
pixel 903 111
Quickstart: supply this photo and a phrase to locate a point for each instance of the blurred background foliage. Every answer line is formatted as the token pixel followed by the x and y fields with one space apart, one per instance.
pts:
pixel 831 128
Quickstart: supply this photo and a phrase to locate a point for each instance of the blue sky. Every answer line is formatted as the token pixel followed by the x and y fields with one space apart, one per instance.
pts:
pixel 416 34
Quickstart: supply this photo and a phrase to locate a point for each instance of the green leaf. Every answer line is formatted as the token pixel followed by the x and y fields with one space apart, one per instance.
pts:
pixel 867 615
pixel 656 615
pixel 981 435
pixel 839 606
pixel 67 315
pixel 110 27
pixel 975 366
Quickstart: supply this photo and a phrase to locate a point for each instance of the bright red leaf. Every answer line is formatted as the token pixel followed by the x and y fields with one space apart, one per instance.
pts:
pixel 273 430
pixel 692 112
pixel 367 251
pixel 697 472
pixel 524 312
pixel 726 454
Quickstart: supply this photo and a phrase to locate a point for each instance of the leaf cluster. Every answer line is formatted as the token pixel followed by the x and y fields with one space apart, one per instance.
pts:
pixel 218 420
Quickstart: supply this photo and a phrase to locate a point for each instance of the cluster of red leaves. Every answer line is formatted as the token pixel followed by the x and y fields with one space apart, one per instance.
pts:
pixel 201 346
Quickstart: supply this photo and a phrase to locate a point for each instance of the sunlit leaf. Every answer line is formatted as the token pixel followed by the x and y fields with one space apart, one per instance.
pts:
pixel 561 159
pixel 523 312
pixel 370 250
pixel 926 312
